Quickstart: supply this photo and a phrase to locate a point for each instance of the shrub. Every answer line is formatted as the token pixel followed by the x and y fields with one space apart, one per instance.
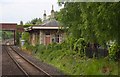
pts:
pixel 114 48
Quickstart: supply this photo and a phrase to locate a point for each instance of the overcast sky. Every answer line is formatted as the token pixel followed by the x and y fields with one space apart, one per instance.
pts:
pixel 15 11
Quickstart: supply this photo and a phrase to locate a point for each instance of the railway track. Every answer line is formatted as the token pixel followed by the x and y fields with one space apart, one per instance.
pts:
pixel 26 66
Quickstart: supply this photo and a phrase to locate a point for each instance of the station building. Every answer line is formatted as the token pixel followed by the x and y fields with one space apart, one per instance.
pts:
pixel 48 32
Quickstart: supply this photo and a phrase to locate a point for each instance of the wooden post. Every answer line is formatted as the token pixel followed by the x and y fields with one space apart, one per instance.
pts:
pixel 14 37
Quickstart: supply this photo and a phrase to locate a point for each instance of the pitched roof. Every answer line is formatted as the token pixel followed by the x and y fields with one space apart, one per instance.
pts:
pixel 51 22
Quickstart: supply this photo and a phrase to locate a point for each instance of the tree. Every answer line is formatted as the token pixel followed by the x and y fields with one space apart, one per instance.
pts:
pixel 25 36
pixel 21 23
pixel 35 21
pixel 95 22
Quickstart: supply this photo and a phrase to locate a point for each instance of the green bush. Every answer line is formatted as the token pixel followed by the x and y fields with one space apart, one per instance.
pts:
pixel 112 51
pixel 66 59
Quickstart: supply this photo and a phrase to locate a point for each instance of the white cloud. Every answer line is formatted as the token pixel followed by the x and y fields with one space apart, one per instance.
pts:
pixel 23 1
pixel 0 13
pixel 25 10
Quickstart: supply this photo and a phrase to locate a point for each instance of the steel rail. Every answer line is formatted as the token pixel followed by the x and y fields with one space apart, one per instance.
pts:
pixel 16 62
pixel 40 69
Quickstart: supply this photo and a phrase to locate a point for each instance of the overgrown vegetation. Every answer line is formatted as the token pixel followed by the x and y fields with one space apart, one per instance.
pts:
pixel 92 26
pixel 69 57
pixel 71 62
pixel 35 21
pixel 7 35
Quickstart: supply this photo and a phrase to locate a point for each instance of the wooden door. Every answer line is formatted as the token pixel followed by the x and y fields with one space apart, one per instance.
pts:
pixel 47 40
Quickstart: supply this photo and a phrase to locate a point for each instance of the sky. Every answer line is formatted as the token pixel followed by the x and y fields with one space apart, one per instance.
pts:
pixel 14 11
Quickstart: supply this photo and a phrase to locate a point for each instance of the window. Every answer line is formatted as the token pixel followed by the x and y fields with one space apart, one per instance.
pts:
pixel 57 38
pixel 47 33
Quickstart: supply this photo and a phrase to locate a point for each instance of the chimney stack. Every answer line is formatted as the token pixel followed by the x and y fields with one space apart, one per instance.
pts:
pixel 44 16
pixel 52 12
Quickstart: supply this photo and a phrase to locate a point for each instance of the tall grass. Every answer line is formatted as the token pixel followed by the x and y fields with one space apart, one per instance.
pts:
pixel 75 65
pixel 71 62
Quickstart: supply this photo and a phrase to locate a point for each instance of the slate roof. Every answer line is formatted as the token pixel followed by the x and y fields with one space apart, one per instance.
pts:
pixel 51 23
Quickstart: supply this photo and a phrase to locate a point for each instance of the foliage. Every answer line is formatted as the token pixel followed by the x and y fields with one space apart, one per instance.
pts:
pixel 27 25
pixel 94 22
pixel 113 50
pixel 67 60
pixel 17 38
pixel 25 36
pixel 35 21
pixel 0 35
pixel 88 23
pixel 7 35
pixel 21 23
